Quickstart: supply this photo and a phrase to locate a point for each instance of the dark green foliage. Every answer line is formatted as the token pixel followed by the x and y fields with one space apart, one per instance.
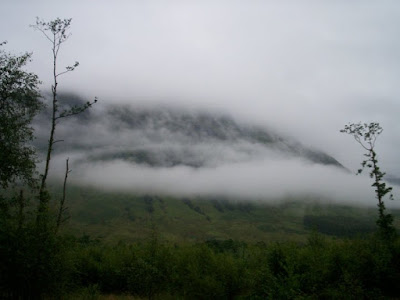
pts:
pixel 196 208
pixel 204 274
pixel 235 247
pixel 19 103
pixel 360 269
pixel 216 269
pixel 340 226
pixel 319 269
pixel 129 214
pixel 32 263
pixel 148 200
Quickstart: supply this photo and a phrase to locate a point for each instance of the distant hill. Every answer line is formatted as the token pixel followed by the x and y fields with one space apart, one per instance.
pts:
pixel 114 216
pixel 169 137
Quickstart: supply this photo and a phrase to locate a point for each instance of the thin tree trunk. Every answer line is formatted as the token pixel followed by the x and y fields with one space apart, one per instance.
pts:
pixel 62 202
pixel 43 197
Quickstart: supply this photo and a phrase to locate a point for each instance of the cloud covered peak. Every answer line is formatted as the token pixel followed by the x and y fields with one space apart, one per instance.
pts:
pixel 170 137
pixel 171 150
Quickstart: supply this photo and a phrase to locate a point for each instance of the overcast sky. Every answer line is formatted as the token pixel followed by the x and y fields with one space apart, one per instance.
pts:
pixel 304 68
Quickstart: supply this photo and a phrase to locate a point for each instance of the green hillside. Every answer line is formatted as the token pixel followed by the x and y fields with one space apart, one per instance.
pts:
pixel 114 216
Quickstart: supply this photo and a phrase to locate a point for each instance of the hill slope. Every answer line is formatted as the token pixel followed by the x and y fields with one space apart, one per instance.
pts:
pixel 114 216
pixel 165 137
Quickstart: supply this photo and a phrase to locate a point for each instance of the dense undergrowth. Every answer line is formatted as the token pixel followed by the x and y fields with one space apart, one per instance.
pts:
pixel 44 265
pixel 84 268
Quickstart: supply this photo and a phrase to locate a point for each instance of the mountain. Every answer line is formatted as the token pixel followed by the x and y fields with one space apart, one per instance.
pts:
pixel 115 216
pixel 169 137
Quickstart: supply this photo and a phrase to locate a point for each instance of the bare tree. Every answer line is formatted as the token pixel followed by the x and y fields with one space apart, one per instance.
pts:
pixel 56 32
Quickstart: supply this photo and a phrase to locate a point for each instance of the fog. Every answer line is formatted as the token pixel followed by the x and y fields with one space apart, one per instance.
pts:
pixel 196 163
pixel 274 180
pixel 302 69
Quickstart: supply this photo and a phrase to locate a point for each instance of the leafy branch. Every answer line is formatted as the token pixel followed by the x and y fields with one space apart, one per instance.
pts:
pixel 76 109
pixel 366 135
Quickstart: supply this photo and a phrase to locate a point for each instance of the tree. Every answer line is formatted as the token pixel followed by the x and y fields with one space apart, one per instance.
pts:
pixel 55 31
pixel 19 104
pixel 32 260
pixel 366 135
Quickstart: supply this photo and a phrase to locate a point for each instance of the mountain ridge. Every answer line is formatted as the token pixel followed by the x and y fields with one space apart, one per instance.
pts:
pixel 170 137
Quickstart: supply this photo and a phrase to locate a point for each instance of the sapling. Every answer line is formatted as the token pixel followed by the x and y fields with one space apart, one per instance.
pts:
pixel 56 32
pixel 366 135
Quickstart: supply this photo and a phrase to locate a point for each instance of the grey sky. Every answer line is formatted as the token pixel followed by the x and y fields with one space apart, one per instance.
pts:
pixel 304 68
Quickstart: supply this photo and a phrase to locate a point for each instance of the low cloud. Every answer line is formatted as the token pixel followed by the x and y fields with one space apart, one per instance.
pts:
pixel 266 180
pixel 183 153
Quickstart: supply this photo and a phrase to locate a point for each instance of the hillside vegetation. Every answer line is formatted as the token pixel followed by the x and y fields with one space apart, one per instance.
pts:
pixel 113 216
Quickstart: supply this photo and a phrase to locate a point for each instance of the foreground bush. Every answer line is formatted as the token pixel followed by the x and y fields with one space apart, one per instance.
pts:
pixel 320 269
pixel 214 270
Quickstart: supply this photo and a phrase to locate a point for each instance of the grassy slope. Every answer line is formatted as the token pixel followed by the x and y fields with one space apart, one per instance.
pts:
pixel 114 216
